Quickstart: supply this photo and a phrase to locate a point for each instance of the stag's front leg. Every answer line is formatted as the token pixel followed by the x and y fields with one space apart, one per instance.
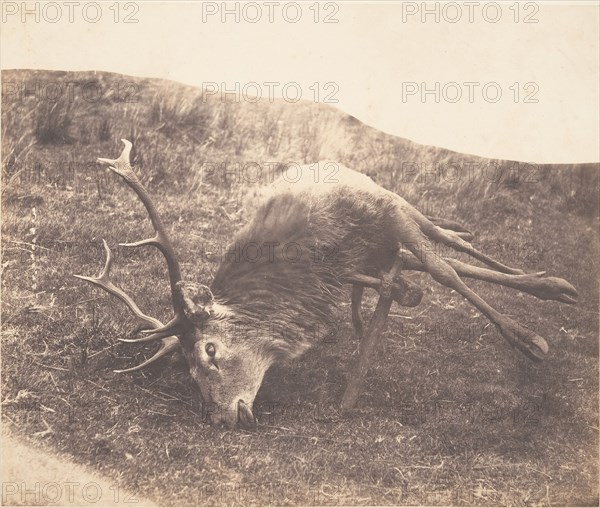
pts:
pixel 357 321
pixel 372 338
pixel 402 290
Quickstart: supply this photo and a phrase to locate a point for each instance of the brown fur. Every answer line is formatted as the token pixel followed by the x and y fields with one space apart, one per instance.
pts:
pixel 314 241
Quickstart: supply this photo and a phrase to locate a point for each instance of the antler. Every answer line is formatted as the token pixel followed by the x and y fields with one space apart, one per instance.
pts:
pixel 191 302
pixel 160 240
pixel 168 344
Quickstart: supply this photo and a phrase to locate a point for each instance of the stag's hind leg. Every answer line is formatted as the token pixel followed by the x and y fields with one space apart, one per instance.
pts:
pixel 545 288
pixel 414 239
pixel 453 239
pixel 459 229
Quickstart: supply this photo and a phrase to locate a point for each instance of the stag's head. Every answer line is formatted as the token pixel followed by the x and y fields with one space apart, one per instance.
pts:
pixel 226 363
pixel 227 368
pixel 228 374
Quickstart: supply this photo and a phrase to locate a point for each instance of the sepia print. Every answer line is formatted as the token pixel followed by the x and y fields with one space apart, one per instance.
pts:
pixel 300 253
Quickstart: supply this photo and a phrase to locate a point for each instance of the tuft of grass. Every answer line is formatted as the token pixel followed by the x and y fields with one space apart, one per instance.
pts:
pixel 52 122
pixel 104 130
pixel 172 114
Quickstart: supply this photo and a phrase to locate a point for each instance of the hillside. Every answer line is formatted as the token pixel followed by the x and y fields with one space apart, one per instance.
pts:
pixel 511 432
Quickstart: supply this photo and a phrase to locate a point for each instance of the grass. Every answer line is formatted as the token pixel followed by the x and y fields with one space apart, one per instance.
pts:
pixel 449 414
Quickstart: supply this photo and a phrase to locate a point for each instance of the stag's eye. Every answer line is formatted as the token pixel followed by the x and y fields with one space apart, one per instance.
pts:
pixel 210 349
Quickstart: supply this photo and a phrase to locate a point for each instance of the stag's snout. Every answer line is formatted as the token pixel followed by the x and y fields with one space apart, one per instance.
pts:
pixel 239 415
pixel 245 416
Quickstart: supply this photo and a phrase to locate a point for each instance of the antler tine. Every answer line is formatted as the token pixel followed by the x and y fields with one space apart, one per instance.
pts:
pixel 104 282
pixel 167 346
pixel 168 343
pixel 122 167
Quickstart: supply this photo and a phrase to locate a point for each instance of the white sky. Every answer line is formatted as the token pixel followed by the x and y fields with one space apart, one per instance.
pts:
pixel 372 54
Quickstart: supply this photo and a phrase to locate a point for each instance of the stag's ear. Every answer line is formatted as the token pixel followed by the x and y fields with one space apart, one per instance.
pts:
pixel 197 300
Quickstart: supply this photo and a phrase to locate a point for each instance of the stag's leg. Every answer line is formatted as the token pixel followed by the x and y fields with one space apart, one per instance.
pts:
pixel 452 239
pixel 546 288
pixel 371 340
pixel 459 229
pixel 414 239
pixel 403 291
pixel 357 321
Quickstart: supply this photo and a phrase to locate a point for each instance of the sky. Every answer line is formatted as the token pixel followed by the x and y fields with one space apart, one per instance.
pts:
pixel 512 80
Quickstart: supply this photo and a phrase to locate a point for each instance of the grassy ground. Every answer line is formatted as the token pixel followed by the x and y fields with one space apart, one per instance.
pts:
pixel 449 415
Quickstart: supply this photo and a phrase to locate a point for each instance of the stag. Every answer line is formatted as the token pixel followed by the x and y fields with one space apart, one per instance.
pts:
pixel 349 232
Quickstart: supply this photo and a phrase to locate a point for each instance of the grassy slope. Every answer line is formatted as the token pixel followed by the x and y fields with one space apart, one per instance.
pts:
pixel 451 415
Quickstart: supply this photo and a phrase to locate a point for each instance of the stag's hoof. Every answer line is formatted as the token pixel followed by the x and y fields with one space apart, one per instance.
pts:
pixel 554 288
pixel 525 340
